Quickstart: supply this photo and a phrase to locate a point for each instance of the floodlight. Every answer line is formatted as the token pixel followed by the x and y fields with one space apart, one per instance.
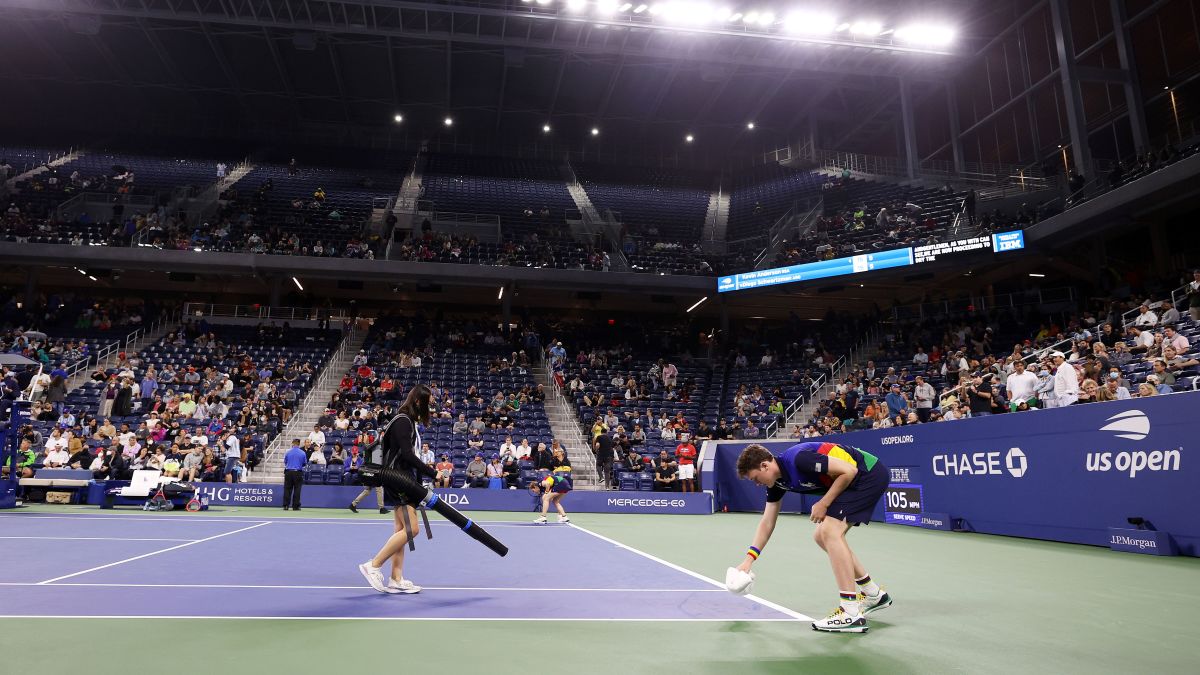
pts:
pixel 810 23
pixel 866 28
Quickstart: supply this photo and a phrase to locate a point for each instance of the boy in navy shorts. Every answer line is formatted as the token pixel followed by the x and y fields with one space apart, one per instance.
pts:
pixel 852 481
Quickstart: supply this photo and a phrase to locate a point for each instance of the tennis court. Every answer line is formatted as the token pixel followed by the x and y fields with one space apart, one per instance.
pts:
pixel 632 593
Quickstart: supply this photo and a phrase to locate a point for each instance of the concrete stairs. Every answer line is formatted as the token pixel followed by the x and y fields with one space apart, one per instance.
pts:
pixel 130 343
pixel 858 356
pixel 69 157
pixel 565 425
pixel 716 221
pixel 310 409
pixel 204 206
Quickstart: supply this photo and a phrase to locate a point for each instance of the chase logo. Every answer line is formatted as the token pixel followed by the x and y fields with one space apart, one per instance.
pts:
pixel 1131 424
pixel 1015 462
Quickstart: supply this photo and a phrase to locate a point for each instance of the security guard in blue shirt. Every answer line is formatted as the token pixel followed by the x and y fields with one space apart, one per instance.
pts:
pixel 293 475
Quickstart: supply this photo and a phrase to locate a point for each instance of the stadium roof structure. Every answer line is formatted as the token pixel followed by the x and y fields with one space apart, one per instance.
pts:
pixel 502 69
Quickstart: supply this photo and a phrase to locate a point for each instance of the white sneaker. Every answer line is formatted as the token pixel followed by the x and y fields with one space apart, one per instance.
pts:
pixel 403 586
pixel 875 603
pixel 540 520
pixel 841 622
pixel 374 576
pixel 564 519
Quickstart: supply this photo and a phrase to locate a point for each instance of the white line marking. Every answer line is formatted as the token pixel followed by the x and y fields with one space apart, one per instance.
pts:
pixel 186 518
pixel 147 555
pixel 766 603
pixel 391 618
pixel 96 538
pixel 360 588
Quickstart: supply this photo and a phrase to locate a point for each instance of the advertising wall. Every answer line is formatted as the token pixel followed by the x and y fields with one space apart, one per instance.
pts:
pixel 337 496
pixel 1067 474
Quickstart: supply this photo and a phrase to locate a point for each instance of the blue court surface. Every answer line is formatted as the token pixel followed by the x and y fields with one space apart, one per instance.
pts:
pixel 77 565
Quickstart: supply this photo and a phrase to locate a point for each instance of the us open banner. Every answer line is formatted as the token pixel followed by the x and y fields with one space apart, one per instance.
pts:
pixel 1065 474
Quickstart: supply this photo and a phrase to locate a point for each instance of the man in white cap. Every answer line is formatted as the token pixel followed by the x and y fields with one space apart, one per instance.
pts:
pixel 1066 381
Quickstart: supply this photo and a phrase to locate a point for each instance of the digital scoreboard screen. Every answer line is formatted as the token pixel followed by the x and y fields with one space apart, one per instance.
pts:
pixel 869 262
pixel 902 504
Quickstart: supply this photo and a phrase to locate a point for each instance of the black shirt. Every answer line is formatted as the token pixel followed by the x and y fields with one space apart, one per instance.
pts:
pixel 979 403
pixel 604 450
pixel 399 448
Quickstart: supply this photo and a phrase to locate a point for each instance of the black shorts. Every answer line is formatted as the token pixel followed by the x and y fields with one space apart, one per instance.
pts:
pixel 394 499
pixel 857 503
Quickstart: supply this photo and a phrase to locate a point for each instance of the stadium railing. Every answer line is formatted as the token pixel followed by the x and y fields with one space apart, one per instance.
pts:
pixel 856 353
pixel 782 229
pixel 983 303
pixel 1037 355
pixel 1178 295
pixel 314 400
pixel 268 313
pixel 26 167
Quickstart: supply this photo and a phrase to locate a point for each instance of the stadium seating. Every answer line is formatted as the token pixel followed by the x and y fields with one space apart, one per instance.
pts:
pixel 276 212
pixel 655 204
pixel 456 367
pixel 152 176
pixel 295 358
pixel 760 195
pixel 501 186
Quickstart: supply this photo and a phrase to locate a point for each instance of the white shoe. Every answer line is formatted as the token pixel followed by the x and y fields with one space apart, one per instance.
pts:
pixel 564 519
pixel 841 622
pixel 374 576
pixel 875 603
pixel 403 586
pixel 540 520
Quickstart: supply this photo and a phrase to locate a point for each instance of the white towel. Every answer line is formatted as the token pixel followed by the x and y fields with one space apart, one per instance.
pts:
pixel 738 582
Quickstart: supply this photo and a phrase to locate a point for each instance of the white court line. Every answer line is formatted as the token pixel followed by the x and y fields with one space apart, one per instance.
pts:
pixel 361 587
pixel 390 618
pixel 187 518
pixel 766 603
pixel 96 538
pixel 147 555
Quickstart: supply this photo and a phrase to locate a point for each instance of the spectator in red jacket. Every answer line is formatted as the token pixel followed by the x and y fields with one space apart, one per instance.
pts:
pixel 685 454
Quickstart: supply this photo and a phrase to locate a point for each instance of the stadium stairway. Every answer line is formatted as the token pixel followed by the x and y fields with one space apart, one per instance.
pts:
pixel 65 159
pixel 716 220
pixel 310 409
pixel 410 191
pixel 857 358
pixel 565 425
pixel 131 343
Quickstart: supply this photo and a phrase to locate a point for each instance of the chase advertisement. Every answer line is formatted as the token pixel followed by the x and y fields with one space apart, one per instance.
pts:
pixel 1067 474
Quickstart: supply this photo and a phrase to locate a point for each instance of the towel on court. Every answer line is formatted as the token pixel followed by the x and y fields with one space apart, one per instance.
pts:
pixel 738 582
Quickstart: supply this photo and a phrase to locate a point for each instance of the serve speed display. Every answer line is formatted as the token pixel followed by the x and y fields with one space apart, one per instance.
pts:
pixel 902 504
